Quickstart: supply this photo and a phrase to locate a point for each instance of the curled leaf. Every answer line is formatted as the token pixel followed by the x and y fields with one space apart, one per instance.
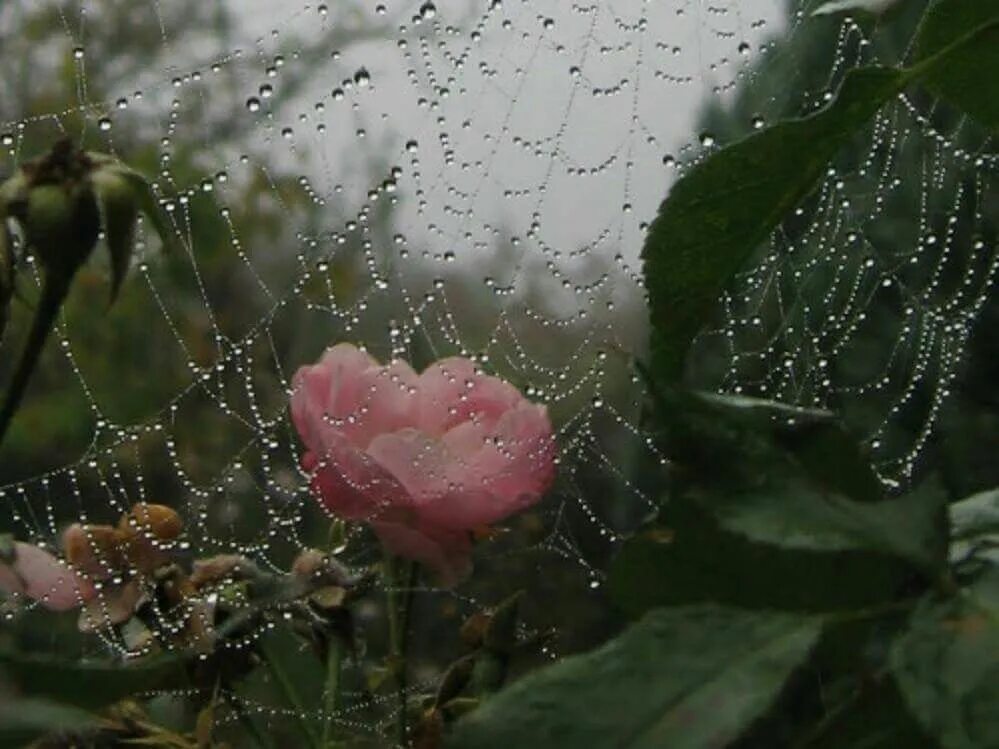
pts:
pixel 119 212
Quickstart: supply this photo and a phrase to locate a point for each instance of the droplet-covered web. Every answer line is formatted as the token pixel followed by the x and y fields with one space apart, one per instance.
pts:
pixel 438 178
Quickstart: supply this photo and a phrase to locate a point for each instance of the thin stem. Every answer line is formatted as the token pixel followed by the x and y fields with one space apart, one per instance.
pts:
pixel 334 663
pixel 400 580
pixel 54 292
pixel 251 728
pixel 290 694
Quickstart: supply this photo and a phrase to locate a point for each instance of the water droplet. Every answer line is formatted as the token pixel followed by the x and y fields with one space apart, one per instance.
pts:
pixel 78 53
pixel 104 123
pixel 362 77
pixel 253 104
pixel 428 10
pixel 266 91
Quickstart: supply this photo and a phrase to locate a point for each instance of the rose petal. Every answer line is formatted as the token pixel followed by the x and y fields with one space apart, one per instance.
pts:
pixel 353 485
pixel 42 577
pixel 452 392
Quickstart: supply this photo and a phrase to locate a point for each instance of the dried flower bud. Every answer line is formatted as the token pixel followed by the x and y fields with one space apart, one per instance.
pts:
pixel 223 567
pixel 159 521
pixel 317 569
pixel 96 550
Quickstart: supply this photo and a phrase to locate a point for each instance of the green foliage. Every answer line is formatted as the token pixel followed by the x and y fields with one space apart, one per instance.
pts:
pixel 958 78
pixel 714 218
pixel 24 720
pixel 89 685
pixel 686 677
pixel 947 665
pixel 716 215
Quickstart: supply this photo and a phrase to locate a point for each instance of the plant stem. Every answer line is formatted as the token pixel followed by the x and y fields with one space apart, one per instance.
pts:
pixel 400 579
pixel 291 695
pixel 251 728
pixel 54 290
pixel 334 662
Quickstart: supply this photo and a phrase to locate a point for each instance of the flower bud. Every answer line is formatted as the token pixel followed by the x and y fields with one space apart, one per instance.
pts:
pixel 93 549
pixel 159 521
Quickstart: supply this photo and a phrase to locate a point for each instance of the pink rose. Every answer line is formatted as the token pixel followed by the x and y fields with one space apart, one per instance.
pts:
pixel 425 459
pixel 36 574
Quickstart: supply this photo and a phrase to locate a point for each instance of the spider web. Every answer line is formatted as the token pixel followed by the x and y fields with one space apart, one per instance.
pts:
pixel 444 178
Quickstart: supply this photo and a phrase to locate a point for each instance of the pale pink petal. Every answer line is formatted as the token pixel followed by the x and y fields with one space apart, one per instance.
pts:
pixel 519 463
pixel 447 554
pixel 328 390
pixel 10 583
pixel 351 484
pixel 420 463
pixel 448 491
pixel 44 578
pixel 452 392
pixel 386 402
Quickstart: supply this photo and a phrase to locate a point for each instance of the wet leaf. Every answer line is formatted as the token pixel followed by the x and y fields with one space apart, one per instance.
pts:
pixel 958 78
pixel 119 212
pixel 694 676
pixel 25 720
pixel 947 666
pixel 90 684
pixel 716 216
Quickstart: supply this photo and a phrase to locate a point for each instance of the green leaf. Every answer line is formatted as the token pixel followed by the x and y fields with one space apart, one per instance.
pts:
pixel 738 439
pixel 947 666
pixel 687 677
pixel 974 523
pixel 23 721
pixel 975 516
pixel 119 211
pixel 716 216
pixel 792 514
pixel 687 558
pixel 6 269
pixel 147 203
pixel 90 685
pixel 959 78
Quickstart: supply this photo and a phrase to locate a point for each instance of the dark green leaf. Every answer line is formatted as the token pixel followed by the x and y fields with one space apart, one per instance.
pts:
pixel 687 677
pixel 716 216
pixel 974 523
pixel 959 78
pixel 724 207
pixel 149 206
pixel 119 211
pixel 6 269
pixel 792 514
pixel 732 437
pixel 947 666
pixel 687 558
pixel 23 721
pixel 975 516
pixel 90 685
